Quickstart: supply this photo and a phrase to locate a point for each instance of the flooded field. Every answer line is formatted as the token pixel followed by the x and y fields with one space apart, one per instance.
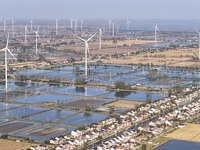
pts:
pixel 42 110
pixel 6 106
pixel 51 115
pixel 42 98
pixel 81 91
pixel 135 96
pixel 83 119
pixel 14 126
pixel 179 145
pixel 21 112
pixel 83 103
pixel 109 74
pixel 45 132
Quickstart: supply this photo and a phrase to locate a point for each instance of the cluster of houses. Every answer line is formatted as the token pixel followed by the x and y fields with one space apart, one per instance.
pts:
pixel 131 139
pixel 149 120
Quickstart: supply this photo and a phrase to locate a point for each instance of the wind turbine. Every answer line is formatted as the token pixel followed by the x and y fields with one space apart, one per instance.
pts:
pixel 100 37
pixel 86 53
pixel 71 21
pixel 128 24
pixel 113 29
pixel 75 23
pixel 156 30
pixel 6 50
pixel 199 42
pixel 56 26
pixel 109 25
pixel 81 25
pixel 13 28
pixel 4 25
pixel 36 40
pixel 31 24
pixel 25 34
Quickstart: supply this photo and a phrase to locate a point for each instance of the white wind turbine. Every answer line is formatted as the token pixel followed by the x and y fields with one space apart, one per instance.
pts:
pixel 113 29
pixel 199 42
pixel 31 24
pixel 71 21
pixel 36 40
pixel 86 53
pixel 81 25
pixel 25 34
pixel 128 24
pixel 109 25
pixel 4 25
pixel 100 37
pixel 156 30
pixel 13 27
pixel 75 25
pixel 6 50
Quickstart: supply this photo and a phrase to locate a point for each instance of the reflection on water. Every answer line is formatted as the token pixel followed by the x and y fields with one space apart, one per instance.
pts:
pixel 122 94
pixel 139 96
pixel 80 89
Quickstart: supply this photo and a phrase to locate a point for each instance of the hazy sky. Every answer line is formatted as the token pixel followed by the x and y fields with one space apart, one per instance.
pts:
pixel 139 9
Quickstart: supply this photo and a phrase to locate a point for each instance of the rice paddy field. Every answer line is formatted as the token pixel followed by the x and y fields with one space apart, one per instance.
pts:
pixel 22 111
pixel 191 132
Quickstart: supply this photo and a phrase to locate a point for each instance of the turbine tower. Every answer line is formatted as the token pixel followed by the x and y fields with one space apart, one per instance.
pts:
pixel 109 25
pixel 199 42
pixel 13 28
pixel 31 24
pixel 6 50
pixel 128 24
pixel 86 53
pixel 25 34
pixel 81 25
pixel 36 41
pixel 75 25
pixel 71 21
pixel 100 37
pixel 4 25
pixel 156 30
pixel 113 29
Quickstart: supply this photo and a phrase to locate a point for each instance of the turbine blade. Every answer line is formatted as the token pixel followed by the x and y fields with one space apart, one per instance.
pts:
pixel 38 35
pixel 81 39
pixel 91 37
pixel 38 28
pixel 197 30
pixel 11 54
pixel 7 41
pixel 26 28
pixel 2 50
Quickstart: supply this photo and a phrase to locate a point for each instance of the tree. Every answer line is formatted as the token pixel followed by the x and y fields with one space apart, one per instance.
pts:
pixel 88 107
pixel 80 89
pixel 80 81
pixel 153 74
pixel 122 85
pixel 111 109
pixel 122 94
pixel 77 70
pixel 148 101
pixel 21 57
pixel 144 147
pixel 42 58
pixel 4 136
